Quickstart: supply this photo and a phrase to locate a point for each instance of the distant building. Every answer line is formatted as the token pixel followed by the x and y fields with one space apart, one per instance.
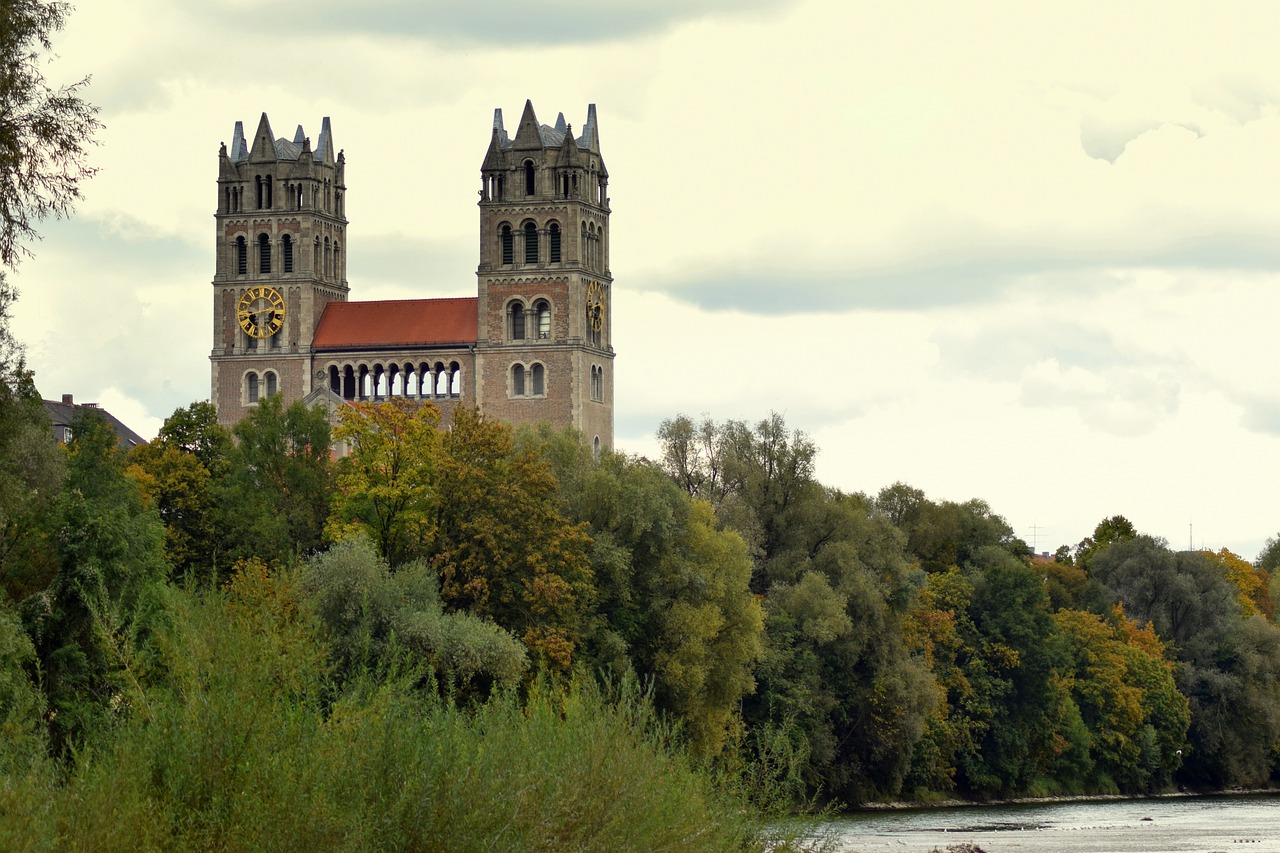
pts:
pixel 534 344
pixel 63 414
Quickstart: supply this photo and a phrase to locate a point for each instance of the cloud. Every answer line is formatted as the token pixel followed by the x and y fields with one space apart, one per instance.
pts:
pixel 397 266
pixel 1120 402
pixel 1106 140
pixel 1261 415
pixel 499 23
pixel 981 273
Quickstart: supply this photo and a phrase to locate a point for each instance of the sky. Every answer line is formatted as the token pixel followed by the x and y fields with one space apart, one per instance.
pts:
pixel 1021 252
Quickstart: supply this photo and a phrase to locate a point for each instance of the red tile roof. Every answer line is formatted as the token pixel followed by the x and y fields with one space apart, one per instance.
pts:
pixel 396 323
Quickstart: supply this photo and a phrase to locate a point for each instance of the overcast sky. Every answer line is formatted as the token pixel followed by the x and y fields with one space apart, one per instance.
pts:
pixel 1024 252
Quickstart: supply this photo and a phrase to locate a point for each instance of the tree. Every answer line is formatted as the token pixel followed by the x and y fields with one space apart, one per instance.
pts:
pixel 367 611
pixel 673 601
pixel 31 469
pixel 179 487
pixel 1117 528
pixel 44 131
pixel 1252 582
pixel 1125 694
pixel 195 429
pixel 275 497
pixel 386 483
pixel 181 473
pixel 89 625
pixel 1230 663
pixel 502 545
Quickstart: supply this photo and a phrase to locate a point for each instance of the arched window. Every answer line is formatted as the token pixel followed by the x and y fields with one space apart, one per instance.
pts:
pixel 517 380
pixel 288 253
pixel 508 246
pixel 455 379
pixel 264 253
pixel 271 384
pixel 315 257
pixel 530 243
pixel 517 321
pixel 555 243
pixel 337 259
pixel 542 310
pixel 328 258
pixel 257 183
pixel 529 184
pixel 595 446
pixel 252 380
pixel 242 256
pixel 267 182
pixel 539 380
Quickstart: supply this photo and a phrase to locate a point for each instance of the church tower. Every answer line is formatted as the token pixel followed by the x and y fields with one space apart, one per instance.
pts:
pixel 544 349
pixel 281 257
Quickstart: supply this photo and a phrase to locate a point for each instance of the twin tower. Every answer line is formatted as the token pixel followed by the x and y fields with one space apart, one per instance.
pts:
pixel 534 344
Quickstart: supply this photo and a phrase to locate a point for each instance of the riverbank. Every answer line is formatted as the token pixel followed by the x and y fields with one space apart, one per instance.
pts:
pixel 1173 823
pixel 904 805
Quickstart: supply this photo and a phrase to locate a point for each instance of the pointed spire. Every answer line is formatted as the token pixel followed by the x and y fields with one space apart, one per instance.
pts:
pixel 590 133
pixel 493 158
pixel 324 146
pixel 568 149
pixel 264 144
pixel 528 135
pixel 560 125
pixel 298 136
pixel 238 149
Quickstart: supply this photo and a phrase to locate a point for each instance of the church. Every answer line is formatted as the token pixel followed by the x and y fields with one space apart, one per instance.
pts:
pixel 532 345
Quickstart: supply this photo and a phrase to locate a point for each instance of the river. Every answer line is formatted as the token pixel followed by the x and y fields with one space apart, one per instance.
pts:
pixel 1213 824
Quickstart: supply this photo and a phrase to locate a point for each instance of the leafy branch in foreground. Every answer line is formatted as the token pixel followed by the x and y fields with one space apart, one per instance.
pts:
pixel 44 131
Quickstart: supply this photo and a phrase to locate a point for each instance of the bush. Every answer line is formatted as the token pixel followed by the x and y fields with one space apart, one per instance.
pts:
pixel 238 750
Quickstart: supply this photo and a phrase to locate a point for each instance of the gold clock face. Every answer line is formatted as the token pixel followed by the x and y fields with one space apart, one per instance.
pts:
pixel 595 305
pixel 261 312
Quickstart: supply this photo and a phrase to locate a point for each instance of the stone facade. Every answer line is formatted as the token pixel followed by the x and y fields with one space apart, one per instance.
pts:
pixel 534 345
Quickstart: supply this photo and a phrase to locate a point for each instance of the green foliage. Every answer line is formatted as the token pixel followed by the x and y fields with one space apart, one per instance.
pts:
pixel 1269 556
pixel 44 131
pixel 941 535
pixel 274 500
pixel 89 625
pixel 179 486
pixel 22 740
pixel 31 473
pixel 195 429
pixel 1230 670
pixel 1127 701
pixel 385 485
pixel 369 614
pixel 836 673
pixel 673 597
pixel 236 751
pixel 503 548
pixel 1117 528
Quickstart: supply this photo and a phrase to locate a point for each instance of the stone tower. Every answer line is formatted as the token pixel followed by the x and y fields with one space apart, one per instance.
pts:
pixel 544 346
pixel 281 257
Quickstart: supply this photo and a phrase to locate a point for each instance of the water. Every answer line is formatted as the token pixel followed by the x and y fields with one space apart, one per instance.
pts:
pixel 1219 824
